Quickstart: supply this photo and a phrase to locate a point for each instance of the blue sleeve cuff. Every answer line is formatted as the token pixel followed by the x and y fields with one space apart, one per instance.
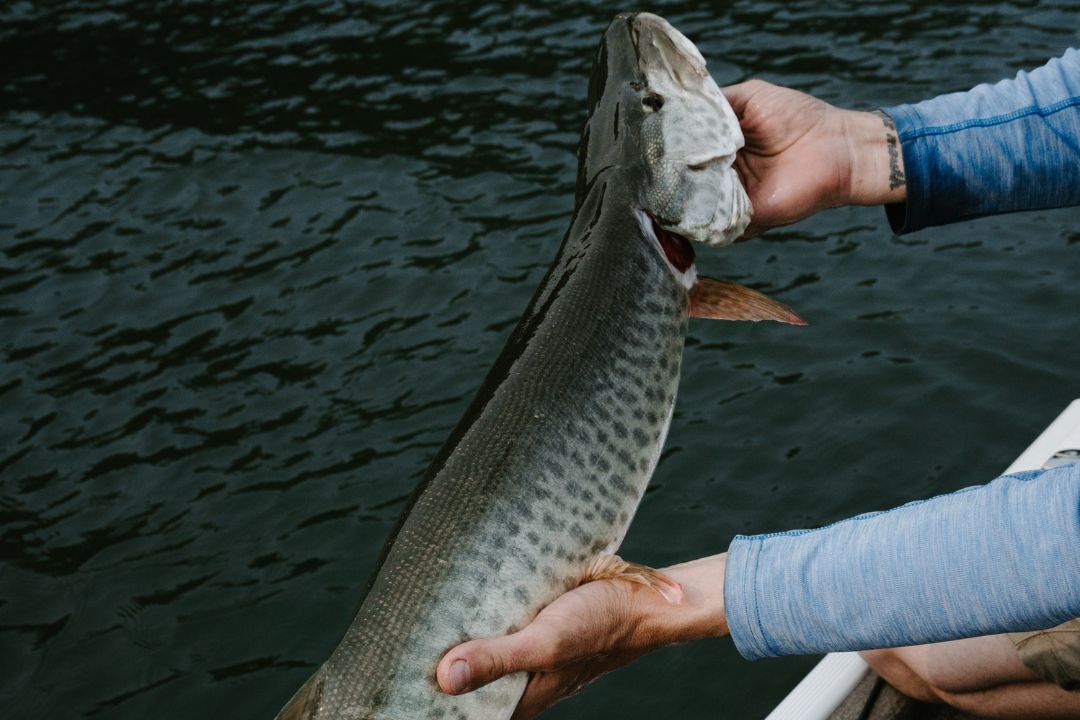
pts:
pixel 740 598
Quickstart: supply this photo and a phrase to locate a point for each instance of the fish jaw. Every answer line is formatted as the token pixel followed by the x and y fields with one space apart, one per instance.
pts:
pixel 685 272
pixel 689 137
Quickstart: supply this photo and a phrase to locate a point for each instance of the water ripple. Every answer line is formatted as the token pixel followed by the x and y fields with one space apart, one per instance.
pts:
pixel 255 259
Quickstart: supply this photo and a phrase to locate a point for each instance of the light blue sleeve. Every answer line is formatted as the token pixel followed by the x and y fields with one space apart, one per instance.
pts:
pixel 1000 557
pixel 1014 145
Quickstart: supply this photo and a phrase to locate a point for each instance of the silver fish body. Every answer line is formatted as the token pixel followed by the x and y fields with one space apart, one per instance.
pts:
pixel 546 469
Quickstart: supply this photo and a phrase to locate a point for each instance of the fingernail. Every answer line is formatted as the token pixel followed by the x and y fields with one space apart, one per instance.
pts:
pixel 459 675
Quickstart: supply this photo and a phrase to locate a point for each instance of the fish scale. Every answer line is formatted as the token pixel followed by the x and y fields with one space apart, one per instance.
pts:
pixel 545 475
pixel 502 500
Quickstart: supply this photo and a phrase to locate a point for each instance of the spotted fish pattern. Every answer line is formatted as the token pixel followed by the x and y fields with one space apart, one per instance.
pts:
pixel 546 469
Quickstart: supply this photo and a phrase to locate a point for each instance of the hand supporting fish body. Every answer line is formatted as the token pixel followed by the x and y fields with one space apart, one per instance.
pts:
pixel 537 485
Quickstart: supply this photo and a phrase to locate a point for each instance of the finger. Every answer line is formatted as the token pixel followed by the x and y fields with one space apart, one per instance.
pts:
pixel 543 691
pixel 540 694
pixel 739 94
pixel 736 96
pixel 478 662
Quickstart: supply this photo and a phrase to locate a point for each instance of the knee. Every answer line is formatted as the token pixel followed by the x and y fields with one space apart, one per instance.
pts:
pixel 894 665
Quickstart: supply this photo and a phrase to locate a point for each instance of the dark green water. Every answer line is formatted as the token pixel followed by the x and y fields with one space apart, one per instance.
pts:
pixel 257 257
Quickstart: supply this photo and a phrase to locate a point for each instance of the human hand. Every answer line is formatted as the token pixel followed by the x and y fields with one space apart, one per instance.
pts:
pixel 589 631
pixel 803 155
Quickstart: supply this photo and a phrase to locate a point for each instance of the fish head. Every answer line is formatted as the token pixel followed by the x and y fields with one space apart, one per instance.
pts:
pixel 655 111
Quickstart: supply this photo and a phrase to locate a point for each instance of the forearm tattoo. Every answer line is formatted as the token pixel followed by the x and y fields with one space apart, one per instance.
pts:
pixel 892 139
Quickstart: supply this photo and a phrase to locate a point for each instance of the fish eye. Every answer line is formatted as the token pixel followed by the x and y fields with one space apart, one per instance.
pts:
pixel 653 101
pixel 635 85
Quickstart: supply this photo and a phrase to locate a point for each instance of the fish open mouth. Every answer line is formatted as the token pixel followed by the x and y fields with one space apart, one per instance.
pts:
pixel 677 249
pixel 699 165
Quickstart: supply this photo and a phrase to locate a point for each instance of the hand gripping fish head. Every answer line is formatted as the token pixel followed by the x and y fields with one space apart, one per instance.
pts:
pixel 661 140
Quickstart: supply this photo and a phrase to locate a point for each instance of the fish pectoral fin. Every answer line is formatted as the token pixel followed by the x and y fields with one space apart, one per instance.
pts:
pixel 306 702
pixel 613 567
pixel 725 300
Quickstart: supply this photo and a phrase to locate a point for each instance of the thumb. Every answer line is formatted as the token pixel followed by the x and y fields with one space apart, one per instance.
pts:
pixel 476 663
pixel 737 96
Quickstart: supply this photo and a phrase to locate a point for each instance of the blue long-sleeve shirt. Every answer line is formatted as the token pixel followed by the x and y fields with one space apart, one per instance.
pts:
pixel 1013 145
pixel 989 559
pixel 1002 557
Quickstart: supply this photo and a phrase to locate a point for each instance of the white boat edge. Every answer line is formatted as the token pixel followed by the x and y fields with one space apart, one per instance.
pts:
pixel 818 694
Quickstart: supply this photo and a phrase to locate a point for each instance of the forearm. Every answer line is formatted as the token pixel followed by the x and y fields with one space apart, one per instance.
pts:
pixel 1014 145
pixel 996 558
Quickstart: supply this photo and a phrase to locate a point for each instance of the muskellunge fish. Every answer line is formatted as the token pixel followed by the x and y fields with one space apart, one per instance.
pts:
pixel 536 486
